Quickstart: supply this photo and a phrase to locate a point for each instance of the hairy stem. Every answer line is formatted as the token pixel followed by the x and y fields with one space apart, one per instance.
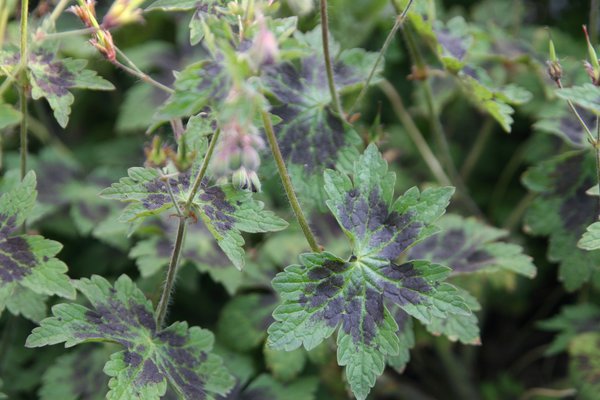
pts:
pixel 24 84
pixel 399 21
pixel 328 65
pixel 287 183
pixel 144 77
pixel 202 171
pixel 62 35
pixel 163 303
pixel 475 153
pixel 3 20
pixel 415 134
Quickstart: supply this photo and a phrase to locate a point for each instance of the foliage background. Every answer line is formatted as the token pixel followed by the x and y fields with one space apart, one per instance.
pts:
pixel 105 136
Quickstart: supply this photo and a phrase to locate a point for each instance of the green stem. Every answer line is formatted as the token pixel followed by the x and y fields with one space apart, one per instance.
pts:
pixel 477 149
pixel 144 77
pixel 202 172
pixel 287 183
pixel 328 65
pixel 3 20
pixel 506 176
pixel 415 134
pixel 163 303
pixel 399 21
pixel 62 35
pixel 24 84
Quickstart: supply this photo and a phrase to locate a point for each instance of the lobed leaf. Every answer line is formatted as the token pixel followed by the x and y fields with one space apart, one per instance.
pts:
pixel 469 246
pixel 325 293
pixel 77 375
pixel 225 211
pixel 29 270
pixel 563 210
pixel 152 357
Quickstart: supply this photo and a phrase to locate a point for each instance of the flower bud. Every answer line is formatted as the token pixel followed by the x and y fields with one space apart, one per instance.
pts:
pixel 240 179
pixel 250 158
pixel 265 49
pixel 593 66
pixel 123 12
pixel 104 43
pixel 255 185
pixel 86 13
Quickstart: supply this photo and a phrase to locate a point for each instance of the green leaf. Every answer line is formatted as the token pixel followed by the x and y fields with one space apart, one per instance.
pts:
pixel 572 321
pixel 244 319
pixel 586 96
pixel 325 292
pixel 591 238
pixel 76 375
pixel 9 116
pixel 224 211
pixel 27 261
pixel 563 210
pixel 311 137
pixel 584 365
pixel 152 357
pixel 52 78
pixel 406 337
pixel 469 246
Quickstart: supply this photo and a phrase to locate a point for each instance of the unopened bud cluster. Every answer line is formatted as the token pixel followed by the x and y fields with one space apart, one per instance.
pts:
pixel 265 49
pixel 237 155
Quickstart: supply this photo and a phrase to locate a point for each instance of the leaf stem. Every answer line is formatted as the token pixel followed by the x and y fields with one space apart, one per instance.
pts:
pixel 144 77
pixel 328 65
pixel 61 35
pixel 24 84
pixel 512 221
pixel 202 171
pixel 415 134
pixel 287 183
pixel 163 303
pixel 475 153
pixel 3 20
pixel 397 24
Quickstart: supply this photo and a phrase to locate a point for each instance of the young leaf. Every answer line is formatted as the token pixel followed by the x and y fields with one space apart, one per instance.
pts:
pixel 153 357
pixel 572 321
pixel 77 375
pixel 225 211
pixel 469 246
pixel 200 249
pixel 52 78
pixel 406 337
pixel 591 238
pixel 563 210
pixel 27 261
pixel 326 292
pixel 586 96
pixel 584 365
